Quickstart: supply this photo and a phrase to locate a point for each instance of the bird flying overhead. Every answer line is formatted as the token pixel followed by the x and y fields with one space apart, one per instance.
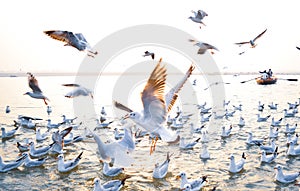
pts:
pixel 252 42
pixel 36 91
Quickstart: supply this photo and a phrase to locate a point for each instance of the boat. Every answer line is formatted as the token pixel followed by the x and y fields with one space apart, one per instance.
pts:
pixel 267 81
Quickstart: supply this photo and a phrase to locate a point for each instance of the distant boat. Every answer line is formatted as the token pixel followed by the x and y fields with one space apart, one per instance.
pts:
pixel 267 81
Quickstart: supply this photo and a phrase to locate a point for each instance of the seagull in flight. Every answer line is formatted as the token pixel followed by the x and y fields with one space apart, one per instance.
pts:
pixel 76 40
pixel 216 83
pixel 157 105
pixel 198 17
pixel 298 47
pixel 203 47
pixel 36 91
pixel 252 42
pixel 147 53
pixel 78 91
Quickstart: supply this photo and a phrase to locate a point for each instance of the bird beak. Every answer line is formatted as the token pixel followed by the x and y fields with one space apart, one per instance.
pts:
pixel 177 177
pixel 275 167
pixel 126 116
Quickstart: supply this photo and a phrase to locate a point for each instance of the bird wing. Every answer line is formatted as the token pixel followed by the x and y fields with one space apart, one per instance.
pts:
pixel 33 83
pixel 209 46
pixel 259 35
pixel 298 47
pixel 201 14
pixel 81 37
pixel 71 85
pixel 241 43
pixel 172 95
pixel 64 36
pixel 291 177
pixel 122 107
pixel 153 95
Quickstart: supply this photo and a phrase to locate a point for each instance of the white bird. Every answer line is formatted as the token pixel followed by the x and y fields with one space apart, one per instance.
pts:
pixel 23 146
pixel 53 125
pixel 205 110
pixel 33 162
pixel 7 166
pixel 111 171
pixel 241 122
pixel 252 141
pixel 217 116
pixel 226 103
pixel 161 170
pixel 293 105
pixel 36 91
pixel 157 104
pixel 288 114
pixel 103 112
pixel 204 137
pixel 204 154
pixel 268 158
pixel 268 148
pixel 71 139
pixel 41 151
pixel 289 129
pixel 252 42
pixel 7 109
pixel 49 109
pixel 236 167
pixel 276 123
pixel 194 82
pixel 293 139
pixel 292 150
pixel 196 184
pixel 41 136
pixel 8 134
pixel 196 129
pixel 113 185
pixel 262 119
pixel 229 113
pixel 203 47
pixel 78 91
pixel 204 119
pixel 68 120
pixel 101 125
pixel 75 40
pixel 58 139
pixel 273 106
pixel 285 178
pixel 65 166
pixel 176 125
pixel 260 106
pixel 201 106
pixel 190 145
pixel 118 135
pixel 226 132
pixel 273 132
pixel 239 107
pixel 147 53
pixel 198 17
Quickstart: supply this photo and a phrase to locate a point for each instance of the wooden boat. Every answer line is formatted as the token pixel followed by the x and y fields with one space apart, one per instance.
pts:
pixel 267 81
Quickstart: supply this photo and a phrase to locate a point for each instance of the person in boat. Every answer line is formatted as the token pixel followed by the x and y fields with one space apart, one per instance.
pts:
pixel 270 73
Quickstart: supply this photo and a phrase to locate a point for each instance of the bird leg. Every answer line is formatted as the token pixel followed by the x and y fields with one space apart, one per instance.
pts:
pixel 212 52
pixel 45 101
pixel 153 145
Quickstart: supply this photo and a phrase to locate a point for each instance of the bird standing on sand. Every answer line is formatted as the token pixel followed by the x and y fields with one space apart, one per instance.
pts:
pixel 75 40
pixel 36 90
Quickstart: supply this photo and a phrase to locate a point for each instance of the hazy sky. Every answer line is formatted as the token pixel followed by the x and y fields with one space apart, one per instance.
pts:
pixel 24 47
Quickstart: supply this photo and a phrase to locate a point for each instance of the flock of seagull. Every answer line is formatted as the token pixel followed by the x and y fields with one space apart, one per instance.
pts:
pixel 157 106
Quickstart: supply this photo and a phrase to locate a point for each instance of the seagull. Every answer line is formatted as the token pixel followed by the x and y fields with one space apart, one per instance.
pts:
pixel 203 47
pixel 161 170
pixel 262 119
pixel 288 114
pixel 7 109
pixel 157 105
pixel 241 122
pixel 52 125
pixel 273 133
pixel 75 40
pixel 285 178
pixel 236 167
pixel 103 112
pixel 65 166
pixel 147 53
pixel 118 135
pixel 252 141
pixel 36 91
pixel 289 129
pixel 268 158
pixel 68 121
pixel 226 132
pixel 102 124
pixel 190 145
pixel 8 134
pixel 204 119
pixel 215 83
pixel 198 17
pixel 111 171
pixel 41 151
pixel 239 107
pixel 260 106
pixel 194 82
pixel 276 123
pixel 196 184
pixel 197 129
pixel 225 103
pixel 33 162
pixel 273 106
pixel 268 148
pixel 49 109
pixel 78 91
pixel 23 147
pixel 7 166
pixel 293 139
pixel 216 116
pixel 58 139
pixel 39 136
pixel 113 185
pixel 204 154
pixel 252 42
pixel 292 150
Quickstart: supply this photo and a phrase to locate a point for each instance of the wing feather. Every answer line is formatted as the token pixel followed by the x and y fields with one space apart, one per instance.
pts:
pixel 153 94
pixel 33 83
pixel 122 107
pixel 259 35
pixel 172 95
pixel 64 36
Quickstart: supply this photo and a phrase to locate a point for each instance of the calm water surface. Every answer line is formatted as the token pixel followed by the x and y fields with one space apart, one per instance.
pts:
pixel 255 176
